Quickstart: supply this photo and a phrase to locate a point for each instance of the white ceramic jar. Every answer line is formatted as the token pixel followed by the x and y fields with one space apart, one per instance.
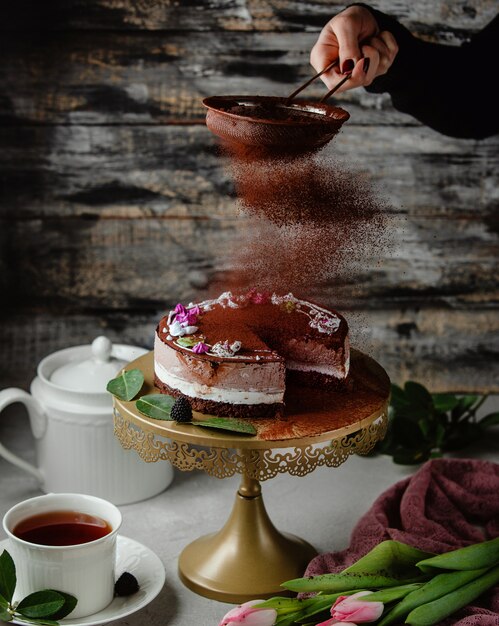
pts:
pixel 71 417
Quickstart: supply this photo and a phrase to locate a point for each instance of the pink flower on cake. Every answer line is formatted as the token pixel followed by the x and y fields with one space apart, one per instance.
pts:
pixel 353 610
pixel 249 615
pixel 256 297
pixel 188 317
pixel 179 309
pixel 201 348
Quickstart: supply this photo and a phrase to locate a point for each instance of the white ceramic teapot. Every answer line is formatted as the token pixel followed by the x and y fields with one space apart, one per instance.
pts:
pixel 71 416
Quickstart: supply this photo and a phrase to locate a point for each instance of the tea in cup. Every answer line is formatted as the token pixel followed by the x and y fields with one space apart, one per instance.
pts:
pixel 65 542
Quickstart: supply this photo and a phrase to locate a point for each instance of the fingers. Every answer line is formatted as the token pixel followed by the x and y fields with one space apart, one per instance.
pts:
pixel 348 32
pixel 377 56
pixel 341 38
pixel 381 51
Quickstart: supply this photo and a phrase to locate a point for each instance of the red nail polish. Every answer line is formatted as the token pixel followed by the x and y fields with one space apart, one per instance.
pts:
pixel 347 66
pixel 367 62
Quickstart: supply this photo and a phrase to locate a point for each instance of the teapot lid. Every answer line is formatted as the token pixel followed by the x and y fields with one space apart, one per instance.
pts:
pixel 91 374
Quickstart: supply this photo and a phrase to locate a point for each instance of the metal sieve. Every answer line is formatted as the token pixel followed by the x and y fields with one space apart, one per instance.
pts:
pixel 276 124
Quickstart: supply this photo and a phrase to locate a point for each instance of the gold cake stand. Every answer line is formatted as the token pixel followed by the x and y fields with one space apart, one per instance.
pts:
pixel 249 558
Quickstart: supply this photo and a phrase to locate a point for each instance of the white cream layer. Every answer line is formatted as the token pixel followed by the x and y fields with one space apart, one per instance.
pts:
pixel 196 390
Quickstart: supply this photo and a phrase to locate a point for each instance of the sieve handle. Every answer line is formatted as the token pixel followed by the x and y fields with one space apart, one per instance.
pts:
pixel 335 88
pixel 302 87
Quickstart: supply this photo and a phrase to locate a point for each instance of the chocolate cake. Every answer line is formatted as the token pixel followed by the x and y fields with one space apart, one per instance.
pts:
pixel 234 355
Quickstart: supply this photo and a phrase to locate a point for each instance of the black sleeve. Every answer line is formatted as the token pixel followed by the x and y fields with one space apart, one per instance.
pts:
pixel 448 88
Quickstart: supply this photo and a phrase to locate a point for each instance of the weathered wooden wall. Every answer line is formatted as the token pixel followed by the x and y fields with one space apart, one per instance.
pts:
pixel 114 203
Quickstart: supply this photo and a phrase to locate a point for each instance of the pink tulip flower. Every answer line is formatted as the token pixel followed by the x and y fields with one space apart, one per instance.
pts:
pixel 249 615
pixel 353 610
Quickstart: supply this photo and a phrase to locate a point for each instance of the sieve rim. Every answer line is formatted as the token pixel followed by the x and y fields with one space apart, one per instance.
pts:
pixel 329 114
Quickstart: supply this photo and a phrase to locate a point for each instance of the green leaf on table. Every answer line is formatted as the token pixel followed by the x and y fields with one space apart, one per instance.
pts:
pixel 227 423
pixel 127 385
pixel 418 395
pixel 41 604
pixel 492 419
pixel 156 405
pixel 398 398
pixel 5 616
pixel 7 576
pixel 408 433
pixel 444 402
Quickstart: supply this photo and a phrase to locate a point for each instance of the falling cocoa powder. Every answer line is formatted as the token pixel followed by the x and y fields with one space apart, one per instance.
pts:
pixel 309 223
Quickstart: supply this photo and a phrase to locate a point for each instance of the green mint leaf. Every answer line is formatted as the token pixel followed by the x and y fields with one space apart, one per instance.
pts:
pixel 492 419
pixel 5 616
pixel 3 603
pixel 7 576
pixel 41 604
pixel 227 423
pixel 156 405
pixel 187 342
pixel 69 604
pixel 127 385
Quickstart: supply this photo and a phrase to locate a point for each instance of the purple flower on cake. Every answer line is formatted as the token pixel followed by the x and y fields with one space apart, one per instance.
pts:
pixel 180 309
pixel 250 615
pixel 352 610
pixel 201 348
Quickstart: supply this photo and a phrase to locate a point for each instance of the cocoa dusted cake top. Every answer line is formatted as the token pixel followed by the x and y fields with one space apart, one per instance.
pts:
pixel 250 326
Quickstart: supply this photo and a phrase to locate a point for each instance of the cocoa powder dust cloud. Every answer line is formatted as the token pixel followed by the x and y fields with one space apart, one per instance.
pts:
pixel 307 222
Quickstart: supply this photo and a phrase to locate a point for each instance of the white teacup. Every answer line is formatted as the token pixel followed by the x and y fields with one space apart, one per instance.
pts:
pixel 86 571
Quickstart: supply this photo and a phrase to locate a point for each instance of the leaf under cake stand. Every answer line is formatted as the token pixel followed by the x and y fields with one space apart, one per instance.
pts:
pixel 249 558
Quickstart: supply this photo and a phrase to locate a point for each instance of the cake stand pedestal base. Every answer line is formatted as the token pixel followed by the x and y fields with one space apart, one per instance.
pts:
pixel 248 558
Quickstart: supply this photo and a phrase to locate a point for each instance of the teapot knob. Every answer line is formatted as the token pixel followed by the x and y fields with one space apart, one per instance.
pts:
pixel 101 349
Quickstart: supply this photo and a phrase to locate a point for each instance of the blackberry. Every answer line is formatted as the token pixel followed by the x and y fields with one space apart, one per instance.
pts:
pixel 181 410
pixel 126 585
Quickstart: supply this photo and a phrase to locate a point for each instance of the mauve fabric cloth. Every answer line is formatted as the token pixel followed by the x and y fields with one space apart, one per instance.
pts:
pixel 446 504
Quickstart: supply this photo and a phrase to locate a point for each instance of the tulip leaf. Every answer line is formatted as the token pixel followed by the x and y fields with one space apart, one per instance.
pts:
pixel 434 612
pixel 479 555
pixel 156 405
pixel 435 588
pixel 40 604
pixel 227 423
pixel 388 564
pixel 7 576
pixel 127 385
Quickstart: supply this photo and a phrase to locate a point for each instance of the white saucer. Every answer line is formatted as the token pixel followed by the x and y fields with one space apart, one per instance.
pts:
pixel 133 557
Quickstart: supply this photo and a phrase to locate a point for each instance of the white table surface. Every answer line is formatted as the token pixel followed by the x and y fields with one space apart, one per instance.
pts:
pixel 322 507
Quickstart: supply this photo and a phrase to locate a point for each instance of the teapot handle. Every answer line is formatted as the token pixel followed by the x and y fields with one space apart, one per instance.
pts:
pixel 37 420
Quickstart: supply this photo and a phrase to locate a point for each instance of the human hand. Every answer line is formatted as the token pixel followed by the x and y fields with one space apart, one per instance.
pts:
pixel 353 37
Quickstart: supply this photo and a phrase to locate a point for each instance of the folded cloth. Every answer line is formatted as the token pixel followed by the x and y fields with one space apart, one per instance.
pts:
pixel 447 504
